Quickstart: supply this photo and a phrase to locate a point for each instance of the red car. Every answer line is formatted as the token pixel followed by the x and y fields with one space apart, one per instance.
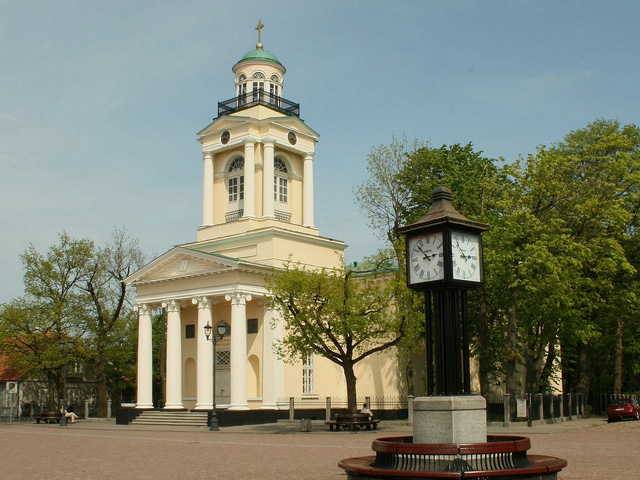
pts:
pixel 623 408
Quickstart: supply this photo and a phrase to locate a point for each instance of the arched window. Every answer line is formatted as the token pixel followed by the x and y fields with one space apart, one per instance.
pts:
pixel 242 89
pixel 280 181
pixel 274 90
pixel 235 183
pixel 258 85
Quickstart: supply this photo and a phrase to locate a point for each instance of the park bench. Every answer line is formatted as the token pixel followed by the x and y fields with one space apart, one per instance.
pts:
pixel 48 417
pixel 352 421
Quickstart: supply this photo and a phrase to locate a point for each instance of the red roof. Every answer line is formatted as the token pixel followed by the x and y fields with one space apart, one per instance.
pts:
pixel 7 373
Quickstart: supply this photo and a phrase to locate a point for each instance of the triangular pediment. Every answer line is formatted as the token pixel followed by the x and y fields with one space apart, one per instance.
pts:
pixel 185 266
pixel 297 125
pixel 181 262
pixel 226 122
pixel 232 122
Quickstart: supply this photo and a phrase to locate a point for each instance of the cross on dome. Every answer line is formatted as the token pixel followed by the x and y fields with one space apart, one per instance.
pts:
pixel 259 29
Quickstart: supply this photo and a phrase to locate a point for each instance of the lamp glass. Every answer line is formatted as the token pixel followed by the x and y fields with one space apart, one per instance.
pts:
pixel 207 330
pixel 222 329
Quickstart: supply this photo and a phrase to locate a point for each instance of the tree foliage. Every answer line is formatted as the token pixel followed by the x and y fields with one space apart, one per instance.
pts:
pixel 341 315
pixel 561 255
pixel 74 291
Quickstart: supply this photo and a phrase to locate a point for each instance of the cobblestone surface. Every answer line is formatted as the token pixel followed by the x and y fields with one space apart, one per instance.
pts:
pixel 594 449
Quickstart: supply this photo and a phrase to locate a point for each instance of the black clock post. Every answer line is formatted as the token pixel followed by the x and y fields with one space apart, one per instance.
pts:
pixel 444 259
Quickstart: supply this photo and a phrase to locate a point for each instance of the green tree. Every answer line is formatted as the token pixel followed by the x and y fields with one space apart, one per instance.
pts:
pixel 398 191
pixel 383 200
pixel 600 208
pixel 53 310
pixel 342 315
pixel 475 181
pixel 108 293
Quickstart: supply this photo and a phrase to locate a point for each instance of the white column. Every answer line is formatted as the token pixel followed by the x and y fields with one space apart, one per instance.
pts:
pixel 144 384
pixel 174 356
pixel 249 180
pixel 307 191
pixel 207 190
pixel 204 391
pixel 238 363
pixel 267 185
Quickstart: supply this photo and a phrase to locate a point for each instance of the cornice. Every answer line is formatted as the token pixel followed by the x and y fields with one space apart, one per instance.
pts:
pixel 188 295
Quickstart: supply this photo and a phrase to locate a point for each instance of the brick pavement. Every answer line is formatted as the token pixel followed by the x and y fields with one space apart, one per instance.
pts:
pixel 100 450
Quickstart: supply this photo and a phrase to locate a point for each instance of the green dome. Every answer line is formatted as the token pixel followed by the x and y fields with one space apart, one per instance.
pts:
pixel 260 54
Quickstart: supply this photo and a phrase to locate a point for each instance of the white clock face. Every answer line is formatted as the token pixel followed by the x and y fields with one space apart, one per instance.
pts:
pixel 465 256
pixel 426 256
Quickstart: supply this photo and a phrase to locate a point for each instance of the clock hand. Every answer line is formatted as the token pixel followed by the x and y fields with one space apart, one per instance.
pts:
pixel 426 255
pixel 462 254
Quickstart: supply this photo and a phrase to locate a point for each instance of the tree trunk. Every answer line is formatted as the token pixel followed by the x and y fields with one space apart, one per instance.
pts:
pixel 101 380
pixel 483 346
pixel 350 378
pixel 583 383
pixel 409 374
pixel 547 371
pixel 533 367
pixel 617 380
pixel 512 344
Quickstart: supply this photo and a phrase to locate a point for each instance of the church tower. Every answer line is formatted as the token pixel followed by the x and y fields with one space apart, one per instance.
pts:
pixel 258 170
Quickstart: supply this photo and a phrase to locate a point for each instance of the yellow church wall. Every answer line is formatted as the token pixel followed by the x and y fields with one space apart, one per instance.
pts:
pixel 376 375
pixel 188 315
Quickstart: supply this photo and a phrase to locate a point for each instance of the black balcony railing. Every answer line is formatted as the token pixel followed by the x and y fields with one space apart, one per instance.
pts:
pixel 258 97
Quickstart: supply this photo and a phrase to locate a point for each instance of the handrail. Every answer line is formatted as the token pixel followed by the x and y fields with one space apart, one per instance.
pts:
pixel 258 97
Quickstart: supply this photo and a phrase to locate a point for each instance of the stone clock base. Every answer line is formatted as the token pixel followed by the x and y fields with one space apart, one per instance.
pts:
pixel 450 419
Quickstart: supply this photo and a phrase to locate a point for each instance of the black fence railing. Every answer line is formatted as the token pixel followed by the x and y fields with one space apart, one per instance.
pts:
pixel 317 407
pixel 258 97
pixel 534 408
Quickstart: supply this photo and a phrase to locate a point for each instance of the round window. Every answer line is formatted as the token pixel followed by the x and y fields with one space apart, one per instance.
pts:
pixel 292 138
pixel 224 138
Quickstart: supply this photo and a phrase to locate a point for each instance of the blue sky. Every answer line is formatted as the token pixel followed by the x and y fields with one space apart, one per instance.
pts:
pixel 100 101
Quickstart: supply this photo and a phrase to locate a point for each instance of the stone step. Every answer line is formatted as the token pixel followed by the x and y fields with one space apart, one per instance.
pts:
pixel 171 418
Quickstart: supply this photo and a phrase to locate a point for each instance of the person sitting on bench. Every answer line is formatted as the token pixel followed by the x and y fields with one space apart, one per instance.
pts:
pixel 365 409
pixel 71 417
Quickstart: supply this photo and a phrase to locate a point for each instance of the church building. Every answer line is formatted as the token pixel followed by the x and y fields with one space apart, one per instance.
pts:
pixel 257 214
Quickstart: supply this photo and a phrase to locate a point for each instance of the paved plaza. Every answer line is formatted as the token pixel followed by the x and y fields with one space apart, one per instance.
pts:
pixel 102 450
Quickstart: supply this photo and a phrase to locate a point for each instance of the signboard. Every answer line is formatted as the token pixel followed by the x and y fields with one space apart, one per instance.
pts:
pixel 521 408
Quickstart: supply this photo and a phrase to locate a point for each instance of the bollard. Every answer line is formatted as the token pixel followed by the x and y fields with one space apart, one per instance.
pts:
pixel 305 425
pixel 410 410
pixel 291 410
pixel 86 409
pixel 507 410
pixel 327 414
pixel 108 409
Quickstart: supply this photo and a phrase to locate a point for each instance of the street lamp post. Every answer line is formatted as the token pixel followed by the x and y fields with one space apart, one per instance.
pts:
pixel 64 348
pixel 220 332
